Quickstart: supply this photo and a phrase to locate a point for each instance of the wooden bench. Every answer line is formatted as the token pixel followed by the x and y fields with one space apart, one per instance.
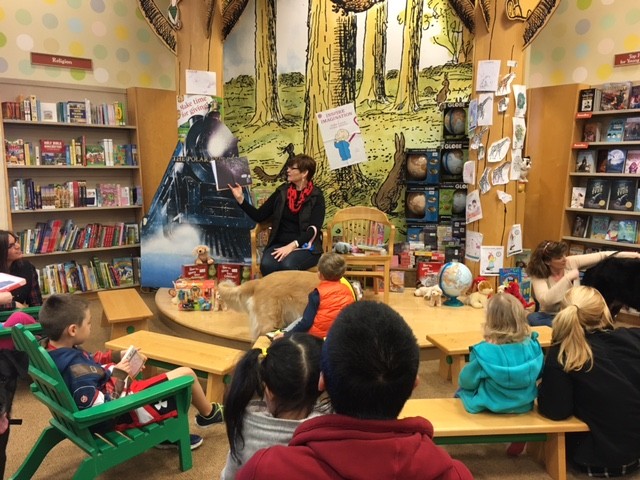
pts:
pixel 165 351
pixel 453 425
pixel 125 311
pixel 454 349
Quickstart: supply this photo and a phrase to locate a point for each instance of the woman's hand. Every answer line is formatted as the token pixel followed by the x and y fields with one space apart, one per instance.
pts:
pixel 281 252
pixel 572 275
pixel 5 297
pixel 237 192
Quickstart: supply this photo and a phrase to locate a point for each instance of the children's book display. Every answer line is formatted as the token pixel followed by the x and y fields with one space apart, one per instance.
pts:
pixel 623 194
pixel 616 130
pixel 632 163
pixel 632 129
pixel 615 96
pixel 586 161
pixel 597 193
pixel 577 197
pixel 615 160
pixel 580 226
pixel 196 295
pixel 599 226
pixel 628 231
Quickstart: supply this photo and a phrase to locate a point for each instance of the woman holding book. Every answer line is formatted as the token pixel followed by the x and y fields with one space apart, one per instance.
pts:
pixel 296 210
pixel 553 273
pixel 11 262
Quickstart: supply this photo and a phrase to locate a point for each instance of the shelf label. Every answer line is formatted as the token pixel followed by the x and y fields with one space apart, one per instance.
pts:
pixel 624 59
pixel 61 61
pixel 580 145
pixel 584 115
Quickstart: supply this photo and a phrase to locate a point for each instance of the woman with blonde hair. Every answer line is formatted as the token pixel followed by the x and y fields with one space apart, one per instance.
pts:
pixel 592 371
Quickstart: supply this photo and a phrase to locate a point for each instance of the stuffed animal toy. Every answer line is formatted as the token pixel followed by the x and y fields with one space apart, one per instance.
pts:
pixel 525 166
pixel 478 299
pixel 513 288
pixel 201 253
pixel 342 247
pixel 435 296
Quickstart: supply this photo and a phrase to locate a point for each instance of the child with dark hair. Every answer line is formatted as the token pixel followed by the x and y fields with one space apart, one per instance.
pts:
pixel 369 369
pixel 94 379
pixel 333 293
pixel 272 392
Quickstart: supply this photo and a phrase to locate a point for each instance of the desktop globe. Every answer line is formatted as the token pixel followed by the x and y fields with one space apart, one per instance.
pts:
pixel 455 279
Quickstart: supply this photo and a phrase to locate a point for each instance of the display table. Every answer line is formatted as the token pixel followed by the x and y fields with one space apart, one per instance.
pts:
pixel 231 328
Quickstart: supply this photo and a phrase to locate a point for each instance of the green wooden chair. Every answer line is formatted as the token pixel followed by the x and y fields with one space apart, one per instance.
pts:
pixel 105 450
pixel 33 311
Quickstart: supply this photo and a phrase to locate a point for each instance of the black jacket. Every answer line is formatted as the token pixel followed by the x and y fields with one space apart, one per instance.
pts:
pixel 607 398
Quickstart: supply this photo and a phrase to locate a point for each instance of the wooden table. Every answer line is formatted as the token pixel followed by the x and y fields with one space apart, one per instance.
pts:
pixel 167 351
pixel 454 348
pixel 124 310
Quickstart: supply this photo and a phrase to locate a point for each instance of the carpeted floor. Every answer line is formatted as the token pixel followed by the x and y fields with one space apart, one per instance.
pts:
pixel 484 461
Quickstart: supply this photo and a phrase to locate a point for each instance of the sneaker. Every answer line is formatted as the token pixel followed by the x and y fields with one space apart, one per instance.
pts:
pixel 215 417
pixel 272 335
pixel 196 441
pixel 516 448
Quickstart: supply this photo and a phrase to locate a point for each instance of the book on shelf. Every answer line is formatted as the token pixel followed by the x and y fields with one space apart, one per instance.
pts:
pixel 124 268
pixel 76 111
pixel 577 197
pixel 589 100
pixel 132 233
pixel 586 161
pixel 576 249
pixel 631 129
pixel 601 161
pixel 90 199
pixel 231 171
pixel 612 230
pixel 52 152
pixel 72 277
pixel 623 194
pixel 580 226
pixel 632 163
pixel 616 129
pixel 47 112
pixel 634 96
pixel 615 96
pixel 591 131
pixel 108 195
pixel 95 155
pixel 599 226
pixel 14 151
pixel 597 193
pixel 628 231
pixel 615 160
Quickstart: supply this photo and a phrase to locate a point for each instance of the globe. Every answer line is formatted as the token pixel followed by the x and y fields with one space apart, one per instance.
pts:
pixel 453 161
pixel 459 201
pixel 455 279
pixel 455 120
pixel 417 167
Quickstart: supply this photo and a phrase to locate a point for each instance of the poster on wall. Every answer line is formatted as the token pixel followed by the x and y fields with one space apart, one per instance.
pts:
pixel 491 260
pixel 341 136
pixel 514 243
pixel 473 244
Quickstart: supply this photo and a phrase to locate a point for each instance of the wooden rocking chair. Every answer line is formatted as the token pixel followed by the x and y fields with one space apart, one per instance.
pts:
pixel 369 229
pixel 108 449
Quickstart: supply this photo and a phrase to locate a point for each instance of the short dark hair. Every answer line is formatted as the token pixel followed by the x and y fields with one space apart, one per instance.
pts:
pixel 59 311
pixel 370 361
pixel 304 163
pixel 332 266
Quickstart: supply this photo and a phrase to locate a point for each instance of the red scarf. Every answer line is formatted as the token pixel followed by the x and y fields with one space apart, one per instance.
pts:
pixel 295 200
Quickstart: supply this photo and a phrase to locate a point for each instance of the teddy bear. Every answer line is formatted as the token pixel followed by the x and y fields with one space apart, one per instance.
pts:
pixel 202 255
pixel 525 166
pixel 432 294
pixel 478 298
pixel 513 288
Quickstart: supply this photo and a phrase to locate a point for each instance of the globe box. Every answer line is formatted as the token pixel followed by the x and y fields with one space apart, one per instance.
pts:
pixel 454 120
pixel 453 155
pixel 422 166
pixel 455 279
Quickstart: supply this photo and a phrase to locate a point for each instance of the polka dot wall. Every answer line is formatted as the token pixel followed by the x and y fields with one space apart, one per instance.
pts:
pixel 112 33
pixel 579 43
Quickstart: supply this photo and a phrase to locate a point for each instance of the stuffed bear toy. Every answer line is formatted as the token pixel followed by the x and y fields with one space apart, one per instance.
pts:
pixel 478 298
pixel 432 294
pixel 202 255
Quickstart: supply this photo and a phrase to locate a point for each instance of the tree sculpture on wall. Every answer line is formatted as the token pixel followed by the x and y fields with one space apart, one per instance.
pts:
pixel 534 13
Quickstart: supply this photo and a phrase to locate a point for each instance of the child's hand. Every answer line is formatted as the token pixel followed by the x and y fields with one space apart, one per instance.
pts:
pixel 5 297
pixel 124 366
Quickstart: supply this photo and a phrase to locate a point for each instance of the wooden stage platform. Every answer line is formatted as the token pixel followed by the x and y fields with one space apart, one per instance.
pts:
pixel 231 328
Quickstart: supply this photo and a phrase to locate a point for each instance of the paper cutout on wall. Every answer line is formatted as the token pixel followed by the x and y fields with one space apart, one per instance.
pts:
pixel 520 95
pixel 473 211
pixel 341 136
pixel 519 132
pixel 485 109
pixel 504 86
pixel 484 183
pixel 491 260
pixel 500 174
pixel 473 244
pixel 499 149
pixel 487 75
pixel 469 172
pixel 514 243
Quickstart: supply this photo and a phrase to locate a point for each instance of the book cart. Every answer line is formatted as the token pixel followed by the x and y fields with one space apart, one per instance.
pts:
pixel 601 209
pixel 76 212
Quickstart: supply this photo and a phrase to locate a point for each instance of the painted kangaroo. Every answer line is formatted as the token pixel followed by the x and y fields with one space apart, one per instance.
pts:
pixel 386 199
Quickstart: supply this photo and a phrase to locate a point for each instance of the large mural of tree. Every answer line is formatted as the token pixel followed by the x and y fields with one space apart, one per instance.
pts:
pixel 372 87
pixel 267 105
pixel 407 97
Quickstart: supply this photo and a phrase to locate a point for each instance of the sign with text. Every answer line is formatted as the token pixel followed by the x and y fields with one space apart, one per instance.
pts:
pixel 624 59
pixel 61 61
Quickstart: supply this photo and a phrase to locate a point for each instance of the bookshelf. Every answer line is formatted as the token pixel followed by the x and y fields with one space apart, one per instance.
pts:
pixel 57 197
pixel 605 136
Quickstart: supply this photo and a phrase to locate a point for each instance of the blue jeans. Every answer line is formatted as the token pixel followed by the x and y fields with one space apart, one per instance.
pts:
pixel 537 319
pixel 301 259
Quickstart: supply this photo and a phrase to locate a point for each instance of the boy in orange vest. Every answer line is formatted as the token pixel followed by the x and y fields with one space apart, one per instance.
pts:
pixel 327 300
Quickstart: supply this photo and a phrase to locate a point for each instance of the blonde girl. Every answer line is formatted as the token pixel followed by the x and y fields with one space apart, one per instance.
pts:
pixel 592 371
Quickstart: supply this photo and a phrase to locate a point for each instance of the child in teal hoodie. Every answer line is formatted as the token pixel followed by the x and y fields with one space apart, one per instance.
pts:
pixel 503 369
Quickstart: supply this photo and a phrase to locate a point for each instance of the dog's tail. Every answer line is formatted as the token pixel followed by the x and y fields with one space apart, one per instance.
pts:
pixel 236 296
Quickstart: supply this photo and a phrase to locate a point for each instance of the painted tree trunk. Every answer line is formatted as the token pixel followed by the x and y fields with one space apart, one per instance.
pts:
pixel 267 107
pixel 372 87
pixel 407 94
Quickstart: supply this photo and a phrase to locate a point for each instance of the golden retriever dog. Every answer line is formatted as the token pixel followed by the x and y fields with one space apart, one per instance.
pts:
pixel 273 301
